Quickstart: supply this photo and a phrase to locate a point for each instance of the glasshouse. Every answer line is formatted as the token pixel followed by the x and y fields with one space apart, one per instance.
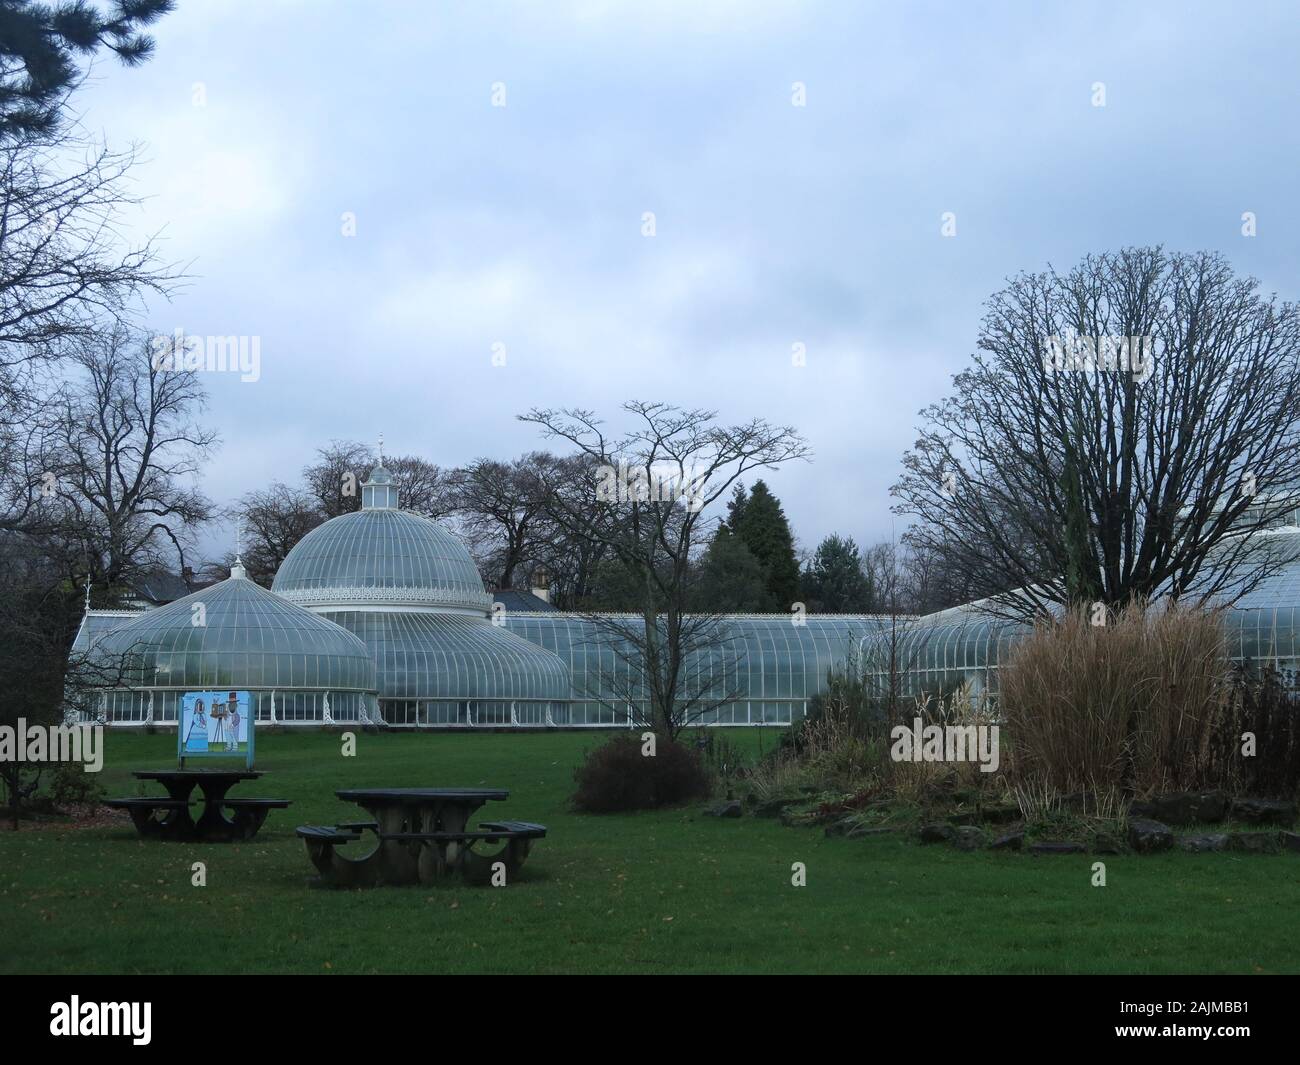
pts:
pixel 964 646
pixel 234 635
pixel 760 669
pixel 418 644
pixel 381 616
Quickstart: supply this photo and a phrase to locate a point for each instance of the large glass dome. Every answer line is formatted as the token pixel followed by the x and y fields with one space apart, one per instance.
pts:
pixel 382 555
pixel 240 636
pixel 410 590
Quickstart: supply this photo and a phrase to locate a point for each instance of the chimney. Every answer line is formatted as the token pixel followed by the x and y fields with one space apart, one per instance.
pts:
pixel 542 585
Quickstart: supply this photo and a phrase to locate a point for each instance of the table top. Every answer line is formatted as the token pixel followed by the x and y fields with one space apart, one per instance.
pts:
pixel 195 774
pixel 420 795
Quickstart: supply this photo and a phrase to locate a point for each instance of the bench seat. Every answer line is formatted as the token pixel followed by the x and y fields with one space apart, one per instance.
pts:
pixel 257 804
pixel 447 837
pixel 519 828
pixel 326 834
pixel 143 803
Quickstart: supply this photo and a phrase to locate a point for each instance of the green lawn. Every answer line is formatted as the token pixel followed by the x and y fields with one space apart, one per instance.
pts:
pixel 663 892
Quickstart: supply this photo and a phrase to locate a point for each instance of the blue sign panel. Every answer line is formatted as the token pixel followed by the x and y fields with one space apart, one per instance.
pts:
pixel 215 724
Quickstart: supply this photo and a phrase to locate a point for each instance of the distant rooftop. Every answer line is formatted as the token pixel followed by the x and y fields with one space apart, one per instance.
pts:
pixel 518 600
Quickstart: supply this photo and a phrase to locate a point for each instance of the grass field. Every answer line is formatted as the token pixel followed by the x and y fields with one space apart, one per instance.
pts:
pixel 661 892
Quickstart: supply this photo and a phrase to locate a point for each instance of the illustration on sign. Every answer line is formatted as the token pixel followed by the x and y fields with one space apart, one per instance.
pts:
pixel 215 723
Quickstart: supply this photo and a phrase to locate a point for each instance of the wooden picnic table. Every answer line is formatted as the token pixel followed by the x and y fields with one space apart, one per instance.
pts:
pixel 421 834
pixel 171 818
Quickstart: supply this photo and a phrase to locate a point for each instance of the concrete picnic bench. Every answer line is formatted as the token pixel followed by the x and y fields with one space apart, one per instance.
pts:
pixel 170 818
pixel 421 836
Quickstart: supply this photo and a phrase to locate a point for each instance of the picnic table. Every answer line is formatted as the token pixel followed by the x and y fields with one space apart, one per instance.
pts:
pixel 170 818
pixel 421 835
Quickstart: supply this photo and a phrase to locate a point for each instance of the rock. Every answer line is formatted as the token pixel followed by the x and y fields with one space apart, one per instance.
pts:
pixel 725 809
pixel 964 817
pixel 1289 840
pixel 1163 809
pixel 1211 807
pixel 1264 812
pixel 1182 808
pixel 841 827
pixel 1147 837
pixel 1003 813
pixel 1056 847
pixel 937 833
pixel 1215 841
pixel 1253 842
pixel 799 818
pixel 968 838
pixel 1012 841
pixel 1104 843
pixel 773 807
pixel 862 832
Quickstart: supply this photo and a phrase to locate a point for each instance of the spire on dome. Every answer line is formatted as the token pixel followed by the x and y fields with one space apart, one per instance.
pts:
pixel 237 569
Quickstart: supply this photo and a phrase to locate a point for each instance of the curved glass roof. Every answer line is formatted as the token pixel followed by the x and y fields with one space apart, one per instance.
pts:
pixel 96 623
pixel 761 668
pixel 940 651
pixel 235 634
pixel 424 655
pixel 966 643
pixel 382 556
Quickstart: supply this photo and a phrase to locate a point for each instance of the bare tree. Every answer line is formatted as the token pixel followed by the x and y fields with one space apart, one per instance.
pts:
pixel 572 556
pixel 503 510
pixel 334 479
pixel 63 266
pixel 273 521
pixel 425 488
pixel 124 445
pixel 1125 430
pixel 658 480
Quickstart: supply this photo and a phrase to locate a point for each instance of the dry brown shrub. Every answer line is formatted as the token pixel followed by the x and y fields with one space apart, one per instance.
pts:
pixel 1133 703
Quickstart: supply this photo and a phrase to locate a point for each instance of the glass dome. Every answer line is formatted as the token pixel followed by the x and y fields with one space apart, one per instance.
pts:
pixel 382 555
pixel 235 635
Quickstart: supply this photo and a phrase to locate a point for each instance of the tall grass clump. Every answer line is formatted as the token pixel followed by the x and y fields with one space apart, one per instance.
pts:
pixel 1134 703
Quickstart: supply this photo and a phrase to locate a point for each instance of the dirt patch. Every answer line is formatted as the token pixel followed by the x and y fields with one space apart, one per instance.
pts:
pixel 81 815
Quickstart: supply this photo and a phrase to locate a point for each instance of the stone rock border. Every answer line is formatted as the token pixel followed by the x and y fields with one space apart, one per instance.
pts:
pixel 997 826
pixel 1144 837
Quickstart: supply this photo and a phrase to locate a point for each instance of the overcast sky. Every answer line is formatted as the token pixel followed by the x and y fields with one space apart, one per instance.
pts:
pixel 263 123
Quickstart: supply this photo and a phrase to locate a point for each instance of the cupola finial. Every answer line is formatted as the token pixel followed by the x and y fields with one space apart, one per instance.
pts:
pixel 238 570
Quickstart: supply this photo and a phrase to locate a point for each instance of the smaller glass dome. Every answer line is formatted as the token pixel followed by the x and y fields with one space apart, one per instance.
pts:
pixel 237 635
